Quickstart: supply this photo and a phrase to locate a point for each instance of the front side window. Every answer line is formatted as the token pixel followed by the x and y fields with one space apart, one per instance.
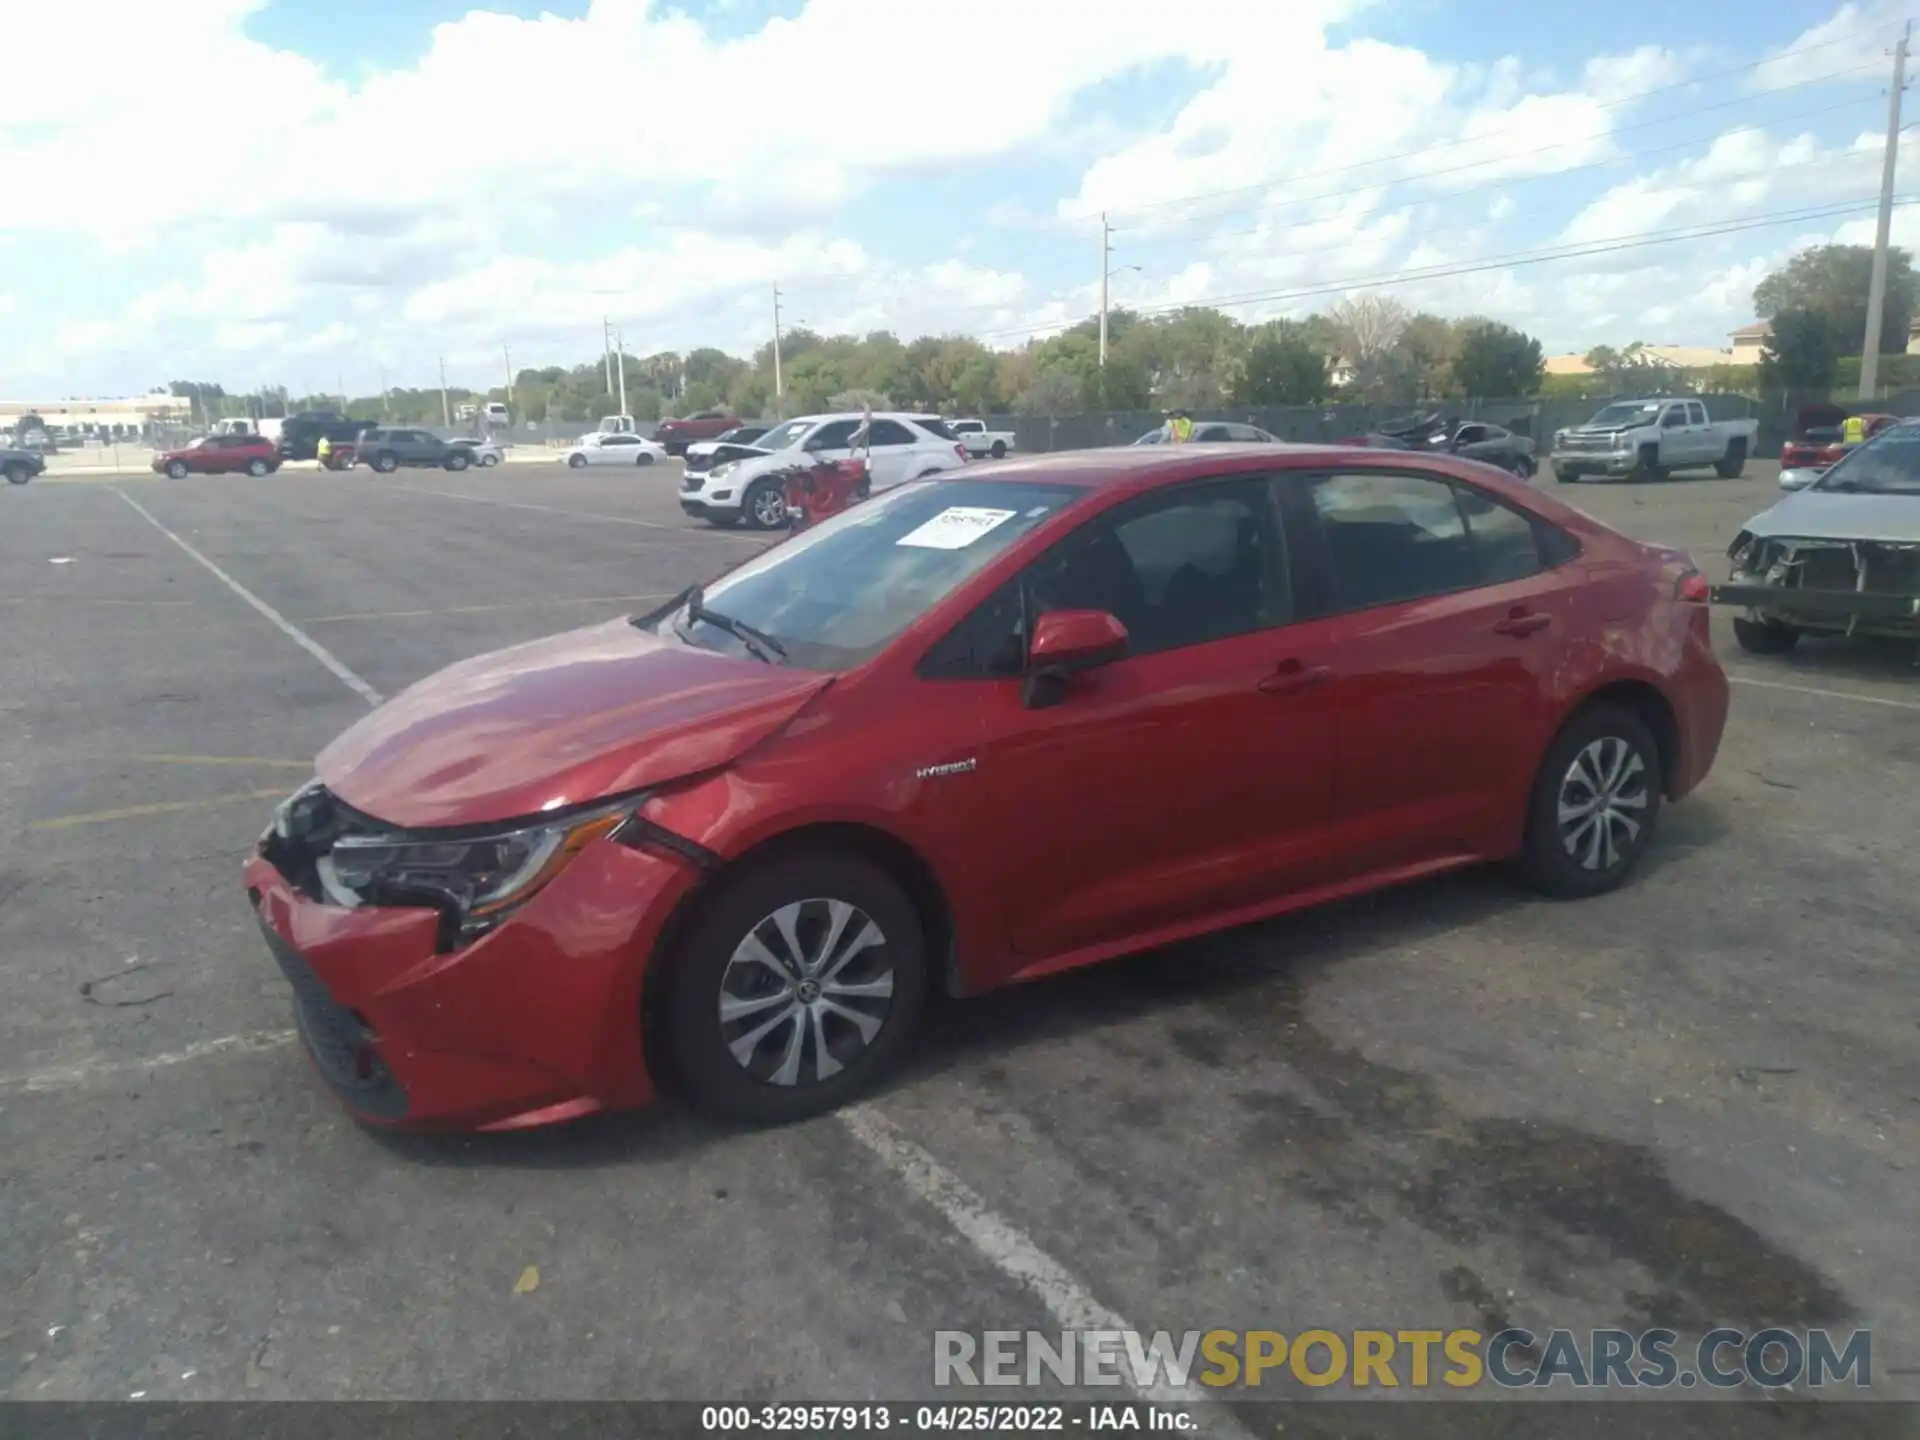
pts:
pixel 834 435
pixel 787 433
pixel 836 595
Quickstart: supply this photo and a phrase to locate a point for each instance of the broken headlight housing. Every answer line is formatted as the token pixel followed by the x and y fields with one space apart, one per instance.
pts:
pixel 475 878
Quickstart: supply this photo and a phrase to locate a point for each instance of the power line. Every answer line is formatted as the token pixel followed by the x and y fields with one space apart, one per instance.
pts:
pixel 1494 159
pixel 1514 260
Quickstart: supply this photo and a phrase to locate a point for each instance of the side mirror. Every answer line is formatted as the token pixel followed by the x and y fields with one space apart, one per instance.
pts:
pixel 1066 641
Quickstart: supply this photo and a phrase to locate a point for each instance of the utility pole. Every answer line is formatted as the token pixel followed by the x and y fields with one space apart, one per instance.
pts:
pixel 779 388
pixel 620 348
pixel 506 353
pixel 386 403
pixel 446 413
pixel 1877 286
pixel 606 346
pixel 1106 274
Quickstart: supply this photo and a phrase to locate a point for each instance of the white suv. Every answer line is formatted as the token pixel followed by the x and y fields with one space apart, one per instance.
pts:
pixel 903 447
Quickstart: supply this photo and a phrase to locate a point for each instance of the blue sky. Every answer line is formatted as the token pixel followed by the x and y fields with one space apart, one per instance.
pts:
pixel 388 181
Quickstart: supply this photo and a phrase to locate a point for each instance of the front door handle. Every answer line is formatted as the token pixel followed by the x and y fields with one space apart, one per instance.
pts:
pixel 1522 622
pixel 1291 676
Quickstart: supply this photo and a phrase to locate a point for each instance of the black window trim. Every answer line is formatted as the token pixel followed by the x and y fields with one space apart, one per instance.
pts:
pixel 1308 553
pixel 1269 512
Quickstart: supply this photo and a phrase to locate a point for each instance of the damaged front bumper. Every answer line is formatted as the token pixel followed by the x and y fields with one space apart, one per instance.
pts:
pixel 1842 587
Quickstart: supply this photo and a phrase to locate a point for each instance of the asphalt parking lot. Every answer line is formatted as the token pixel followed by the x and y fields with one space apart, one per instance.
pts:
pixel 1694 1102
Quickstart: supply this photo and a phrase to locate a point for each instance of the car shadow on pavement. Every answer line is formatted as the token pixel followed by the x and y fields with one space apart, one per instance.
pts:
pixel 1864 657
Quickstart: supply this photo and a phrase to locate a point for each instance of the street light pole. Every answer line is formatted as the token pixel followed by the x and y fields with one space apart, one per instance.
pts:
pixel 506 353
pixel 620 348
pixel 1106 274
pixel 779 389
pixel 446 413
pixel 1877 284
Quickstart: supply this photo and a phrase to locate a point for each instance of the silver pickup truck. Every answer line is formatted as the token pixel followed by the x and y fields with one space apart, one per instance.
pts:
pixel 1650 439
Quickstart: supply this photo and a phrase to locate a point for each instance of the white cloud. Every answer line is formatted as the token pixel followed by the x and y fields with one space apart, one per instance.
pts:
pixel 1855 37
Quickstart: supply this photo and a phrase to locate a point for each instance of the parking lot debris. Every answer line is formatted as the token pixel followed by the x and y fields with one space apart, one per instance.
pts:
pixel 528 1282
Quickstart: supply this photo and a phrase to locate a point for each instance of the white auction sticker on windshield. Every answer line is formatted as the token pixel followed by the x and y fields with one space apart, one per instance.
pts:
pixel 955 528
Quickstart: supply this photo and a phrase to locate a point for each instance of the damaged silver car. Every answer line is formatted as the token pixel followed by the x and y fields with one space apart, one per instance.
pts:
pixel 1841 557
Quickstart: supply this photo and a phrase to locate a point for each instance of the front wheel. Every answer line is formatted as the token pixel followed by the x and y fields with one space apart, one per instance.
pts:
pixel 1595 803
pixel 1764 637
pixel 458 462
pixel 487 462
pixel 765 506
pixel 798 985
pixel 1647 468
pixel 176 469
pixel 576 462
pixel 18 474
pixel 1523 466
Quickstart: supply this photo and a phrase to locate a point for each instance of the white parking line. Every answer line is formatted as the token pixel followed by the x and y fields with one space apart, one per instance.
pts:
pixel 293 632
pixel 1828 694
pixel 1006 1247
pixel 573 514
pixel 36 1081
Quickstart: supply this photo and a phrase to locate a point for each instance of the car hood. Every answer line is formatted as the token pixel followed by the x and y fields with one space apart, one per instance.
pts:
pixel 558 722
pixel 1837 515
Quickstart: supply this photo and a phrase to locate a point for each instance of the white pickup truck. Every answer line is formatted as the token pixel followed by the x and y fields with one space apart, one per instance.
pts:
pixel 979 440
pixel 1650 439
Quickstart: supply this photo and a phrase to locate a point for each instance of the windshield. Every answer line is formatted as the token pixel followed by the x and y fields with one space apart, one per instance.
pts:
pixel 1888 464
pixel 1630 412
pixel 783 435
pixel 834 596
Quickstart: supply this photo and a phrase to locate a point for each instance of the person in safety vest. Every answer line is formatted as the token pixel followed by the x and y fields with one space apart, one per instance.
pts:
pixel 1179 427
pixel 1853 430
pixel 322 451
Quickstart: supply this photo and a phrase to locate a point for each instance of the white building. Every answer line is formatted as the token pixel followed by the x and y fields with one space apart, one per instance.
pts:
pixel 108 418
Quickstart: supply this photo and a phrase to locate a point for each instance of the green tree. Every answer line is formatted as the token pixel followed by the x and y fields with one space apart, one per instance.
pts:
pixel 1496 360
pixel 1053 393
pixel 1832 280
pixel 1283 366
pixel 1801 351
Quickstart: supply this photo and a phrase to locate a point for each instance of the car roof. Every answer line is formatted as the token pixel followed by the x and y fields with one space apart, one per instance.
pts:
pixel 1145 467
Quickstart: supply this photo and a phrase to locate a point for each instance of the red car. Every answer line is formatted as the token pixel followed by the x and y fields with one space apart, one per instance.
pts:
pixel 972 731
pixel 218 454
pixel 677 434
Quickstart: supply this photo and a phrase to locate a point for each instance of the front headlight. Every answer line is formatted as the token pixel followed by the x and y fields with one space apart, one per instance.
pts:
pixel 723 469
pixel 474 879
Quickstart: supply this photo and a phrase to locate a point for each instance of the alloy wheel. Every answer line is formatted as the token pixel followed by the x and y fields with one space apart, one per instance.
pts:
pixel 1603 803
pixel 769 508
pixel 805 992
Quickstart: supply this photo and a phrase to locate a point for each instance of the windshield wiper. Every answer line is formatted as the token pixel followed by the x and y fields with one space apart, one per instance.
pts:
pixel 760 645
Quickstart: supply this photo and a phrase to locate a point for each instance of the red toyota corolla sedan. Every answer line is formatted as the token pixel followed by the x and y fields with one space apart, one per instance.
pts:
pixel 970 732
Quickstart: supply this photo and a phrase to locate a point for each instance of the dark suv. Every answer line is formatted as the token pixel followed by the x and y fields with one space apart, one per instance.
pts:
pixel 386 450
pixel 300 435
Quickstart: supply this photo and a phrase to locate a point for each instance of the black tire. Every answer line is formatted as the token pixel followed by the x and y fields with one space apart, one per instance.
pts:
pixel 1566 477
pixel 703 1060
pixel 999 451
pixel 1523 466
pixel 1764 637
pixel 864 488
pixel 1733 462
pixel 487 462
pixel 458 460
pixel 764 506
pixel 386 463
pixel 1548 861
pixel 18 474
pixel 257 468
pixel 643 457
pixel 576 462
pixel 176 469
pixel 1646 469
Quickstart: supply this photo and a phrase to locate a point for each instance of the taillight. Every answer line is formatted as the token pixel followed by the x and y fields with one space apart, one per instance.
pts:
pixel 961 451
pixel 1693 588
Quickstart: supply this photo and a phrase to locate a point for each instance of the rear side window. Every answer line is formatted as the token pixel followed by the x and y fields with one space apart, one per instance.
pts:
pixel 933 425
pixel 1696 414
pixel 1392 538
pixel 891 432
pixel 1505 545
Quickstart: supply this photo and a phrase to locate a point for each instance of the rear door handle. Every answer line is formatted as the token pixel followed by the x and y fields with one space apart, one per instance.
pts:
pixel 1291 676
pixel 1522 622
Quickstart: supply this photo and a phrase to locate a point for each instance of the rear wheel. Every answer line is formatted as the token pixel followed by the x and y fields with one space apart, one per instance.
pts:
pixel 459 460
pixel 798 985
pixel 999 451
pixel 644 457
pixel 1764 637
pixel 1595 803
pixel 1733 462
pixel 386 463
pixel 256 468
pixel 1523 466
